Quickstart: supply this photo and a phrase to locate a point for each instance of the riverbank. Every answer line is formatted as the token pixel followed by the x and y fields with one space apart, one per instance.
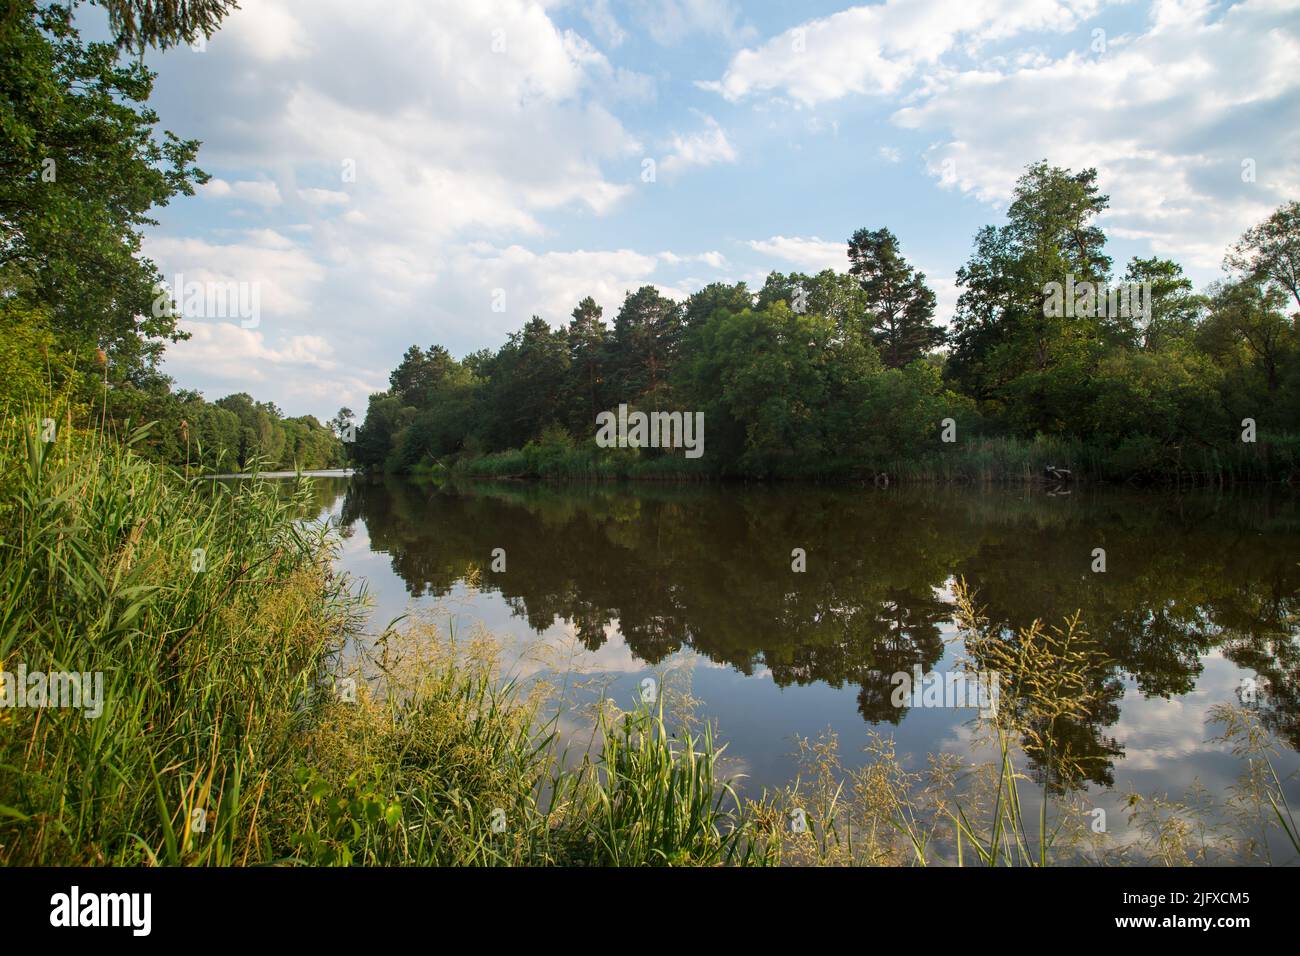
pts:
pixel 981 460
pixel 221 727
pixel 217 727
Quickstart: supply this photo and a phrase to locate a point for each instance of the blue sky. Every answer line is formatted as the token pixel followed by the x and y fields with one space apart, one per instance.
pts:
pixel 501 144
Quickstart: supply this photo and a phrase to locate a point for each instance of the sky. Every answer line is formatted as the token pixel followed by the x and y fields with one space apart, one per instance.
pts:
pixel 421 171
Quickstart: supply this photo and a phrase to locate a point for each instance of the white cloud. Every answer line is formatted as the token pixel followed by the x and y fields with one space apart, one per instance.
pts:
pixel 228 358
pixel 266 31
pixel 713 259
pixel 890 154
pixel 604 23
pixel 811 255
pixel 1166 117
pixel 876 49
pixel 285 274
pixel 324 197
pixel 669 21
pixel 706 147
pixel 461 122
pixel 549 284
pixel 260 191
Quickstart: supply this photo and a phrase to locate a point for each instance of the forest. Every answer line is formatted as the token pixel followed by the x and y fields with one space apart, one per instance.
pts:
pixel 845 374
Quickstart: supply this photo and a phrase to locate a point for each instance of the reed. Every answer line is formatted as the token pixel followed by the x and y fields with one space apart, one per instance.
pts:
pixel 211 610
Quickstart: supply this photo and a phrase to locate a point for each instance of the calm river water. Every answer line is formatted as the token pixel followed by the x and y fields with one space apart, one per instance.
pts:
pixel 635 581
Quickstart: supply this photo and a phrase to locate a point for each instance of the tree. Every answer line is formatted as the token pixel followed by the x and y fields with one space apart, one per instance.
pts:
pixel 81 166
pixel 260 436
pixel 138 24
pixel 832 294
pixel 384 417
pixel 900 305
pixel 1270 251
pixel 1009 348
pixel 526 384
pixel 1247 318
pixel 1175 308
pixel 715 297
pixel 588 342
pixel 1053 216
pixel 781 391
pixel 421 374
pixel 342 422
pixel 647 333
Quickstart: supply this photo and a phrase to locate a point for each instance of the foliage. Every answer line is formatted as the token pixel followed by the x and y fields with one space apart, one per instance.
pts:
pixel 842 374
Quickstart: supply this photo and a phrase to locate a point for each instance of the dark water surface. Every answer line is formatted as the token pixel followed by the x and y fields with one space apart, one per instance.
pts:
pixel 1200 591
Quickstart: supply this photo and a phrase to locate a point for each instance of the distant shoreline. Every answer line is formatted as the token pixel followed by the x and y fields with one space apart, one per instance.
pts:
pixel 315 473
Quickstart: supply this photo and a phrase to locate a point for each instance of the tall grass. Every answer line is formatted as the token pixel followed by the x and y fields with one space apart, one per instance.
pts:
pixel 214 616
pixel 208 610
pixel 1024 806
pixel 557 457
pixel 649 799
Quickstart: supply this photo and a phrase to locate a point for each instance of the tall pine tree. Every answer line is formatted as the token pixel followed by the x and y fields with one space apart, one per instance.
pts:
pixel 587 336
pixel 900 305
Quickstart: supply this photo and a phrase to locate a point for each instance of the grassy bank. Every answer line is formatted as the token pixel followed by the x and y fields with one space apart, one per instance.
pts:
pixel 220 735
pixel 978 460
pixel 223 734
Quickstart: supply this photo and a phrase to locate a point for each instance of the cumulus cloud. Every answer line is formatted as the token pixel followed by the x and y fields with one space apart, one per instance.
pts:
pixel 261 191
pixel 324 197
pixel 467 122
pixel 284 274
pixel 305 368
pixel 713 258
pixel 811 255
pixel 1168 118
pixel 1181 117
pixel 875 49
pixel 705 147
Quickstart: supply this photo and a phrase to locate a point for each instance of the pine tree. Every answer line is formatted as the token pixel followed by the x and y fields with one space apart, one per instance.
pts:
pixel 587 337
pixel 647 334
pixel 900 305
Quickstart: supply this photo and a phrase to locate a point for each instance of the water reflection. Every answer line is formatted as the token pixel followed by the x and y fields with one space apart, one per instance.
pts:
pixel 709 569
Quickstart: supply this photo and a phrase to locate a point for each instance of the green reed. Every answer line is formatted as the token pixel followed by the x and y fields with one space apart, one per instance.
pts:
pixel 214 615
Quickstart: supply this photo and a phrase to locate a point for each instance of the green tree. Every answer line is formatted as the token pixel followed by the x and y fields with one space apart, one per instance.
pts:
pixel 1247 327
pixel 526 384
pixel 1270 251
pixel 832 294
pixel 647 334
pixel 588 341
pixel 900 305
pixel 138 24
pixel 81 166
pixel 1009 349
pixel 1175 308
pixel 715 297
pixel 420 374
